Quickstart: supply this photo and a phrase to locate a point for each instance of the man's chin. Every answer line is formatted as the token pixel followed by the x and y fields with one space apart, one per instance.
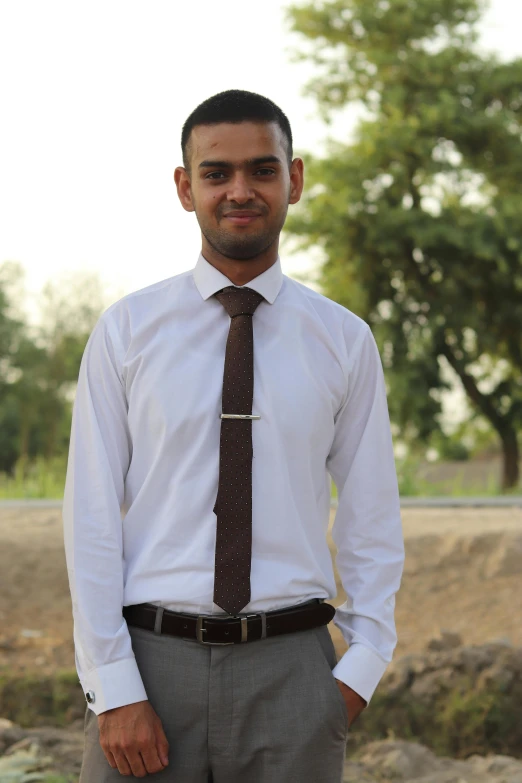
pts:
pixel 240 251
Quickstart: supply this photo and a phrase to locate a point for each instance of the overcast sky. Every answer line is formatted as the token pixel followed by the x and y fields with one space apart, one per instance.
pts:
pixel 92 99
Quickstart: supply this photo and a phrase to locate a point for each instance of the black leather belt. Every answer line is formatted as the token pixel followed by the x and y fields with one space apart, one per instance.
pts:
pixel 216 629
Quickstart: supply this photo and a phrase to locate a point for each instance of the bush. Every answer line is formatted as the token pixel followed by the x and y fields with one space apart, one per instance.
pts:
pixel 458 702
pixel 32 700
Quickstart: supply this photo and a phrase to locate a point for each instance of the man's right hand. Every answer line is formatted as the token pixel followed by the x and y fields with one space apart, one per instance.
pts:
pixel 133 739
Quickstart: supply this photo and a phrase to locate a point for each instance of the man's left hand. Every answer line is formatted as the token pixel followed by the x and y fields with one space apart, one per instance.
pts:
pixel 355 704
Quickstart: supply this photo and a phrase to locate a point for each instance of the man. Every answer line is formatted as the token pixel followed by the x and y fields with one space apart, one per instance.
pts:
pixel 211 410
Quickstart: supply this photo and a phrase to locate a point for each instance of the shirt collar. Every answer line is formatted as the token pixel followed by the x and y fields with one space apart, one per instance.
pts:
pixel 209 280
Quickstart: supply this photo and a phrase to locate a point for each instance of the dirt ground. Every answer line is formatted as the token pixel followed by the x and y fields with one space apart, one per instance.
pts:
pixel 463 573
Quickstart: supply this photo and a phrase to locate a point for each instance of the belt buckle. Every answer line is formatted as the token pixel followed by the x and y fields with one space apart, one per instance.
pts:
pixel 200 630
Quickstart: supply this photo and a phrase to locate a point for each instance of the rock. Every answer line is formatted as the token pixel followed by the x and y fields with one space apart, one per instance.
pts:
pixel 496 675
pixel 24 744
pixel 398 761
pixel 448 640
pixel 473 660
pixel 25 765
pixel 436 696
pixel 9 734
pixel 43 749
pixel 434 683
pixel 505 640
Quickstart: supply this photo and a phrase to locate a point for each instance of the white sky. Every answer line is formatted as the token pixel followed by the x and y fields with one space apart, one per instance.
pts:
pixel 92 99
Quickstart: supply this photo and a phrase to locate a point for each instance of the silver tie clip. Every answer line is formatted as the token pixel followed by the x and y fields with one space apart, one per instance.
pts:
pixel 237 416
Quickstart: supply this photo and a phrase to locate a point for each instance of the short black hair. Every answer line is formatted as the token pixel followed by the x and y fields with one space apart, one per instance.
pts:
pixel 235 106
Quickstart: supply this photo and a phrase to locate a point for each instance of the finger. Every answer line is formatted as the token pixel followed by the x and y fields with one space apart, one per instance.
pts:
pixel 110 758
pixel 162 746
pixel 121 762
pixel 136 763
pixel 152 760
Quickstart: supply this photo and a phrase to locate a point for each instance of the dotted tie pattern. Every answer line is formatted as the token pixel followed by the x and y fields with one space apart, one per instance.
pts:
pixel 233 506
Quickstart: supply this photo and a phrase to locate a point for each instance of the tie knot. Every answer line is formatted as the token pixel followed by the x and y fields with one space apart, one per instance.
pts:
pixel 239 301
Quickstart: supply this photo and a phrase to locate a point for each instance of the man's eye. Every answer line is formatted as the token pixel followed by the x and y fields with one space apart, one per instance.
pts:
pixel 263 172
pixel 215 175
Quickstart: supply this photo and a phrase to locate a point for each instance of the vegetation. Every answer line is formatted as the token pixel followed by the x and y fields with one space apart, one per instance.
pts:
pixel 38 373
pixel 34 700
pixel 40 478
pixel 418 216
pixel 462 721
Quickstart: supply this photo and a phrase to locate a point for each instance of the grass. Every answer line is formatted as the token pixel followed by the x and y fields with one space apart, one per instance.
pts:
pixel 61 779
pixel 34 700
pixel 40 479
pixel 412 485
pixel 45 479
pixel 465 719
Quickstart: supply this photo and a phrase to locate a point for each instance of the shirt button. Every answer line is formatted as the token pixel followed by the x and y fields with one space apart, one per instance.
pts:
pixel 90 697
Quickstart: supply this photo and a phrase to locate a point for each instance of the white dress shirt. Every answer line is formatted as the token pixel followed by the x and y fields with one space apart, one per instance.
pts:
pixel 142 473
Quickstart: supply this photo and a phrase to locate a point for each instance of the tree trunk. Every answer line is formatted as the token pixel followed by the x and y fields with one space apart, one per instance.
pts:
pixel 511 455
pixel 50 441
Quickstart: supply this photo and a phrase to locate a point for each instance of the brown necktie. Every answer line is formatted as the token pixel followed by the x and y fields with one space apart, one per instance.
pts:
pixel 233 505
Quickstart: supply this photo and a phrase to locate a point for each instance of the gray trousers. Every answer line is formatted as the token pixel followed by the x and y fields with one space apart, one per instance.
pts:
pixel 266 711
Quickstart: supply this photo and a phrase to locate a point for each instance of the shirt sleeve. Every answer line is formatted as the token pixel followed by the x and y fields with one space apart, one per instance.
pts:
pixel 99 456
pixel 367 529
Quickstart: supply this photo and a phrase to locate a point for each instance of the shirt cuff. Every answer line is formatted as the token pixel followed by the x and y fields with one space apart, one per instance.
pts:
pixel 113 685
pixel 361 669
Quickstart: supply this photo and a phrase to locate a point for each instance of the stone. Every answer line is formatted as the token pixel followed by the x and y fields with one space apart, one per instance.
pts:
pixel 448 640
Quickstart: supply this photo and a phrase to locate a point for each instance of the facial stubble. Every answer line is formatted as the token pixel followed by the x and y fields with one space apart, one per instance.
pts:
pixel 240 247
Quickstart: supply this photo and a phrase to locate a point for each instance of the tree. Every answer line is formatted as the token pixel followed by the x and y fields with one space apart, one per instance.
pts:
pixel 12 329
pixel 39 365
pixel 419 215
pixel 69 310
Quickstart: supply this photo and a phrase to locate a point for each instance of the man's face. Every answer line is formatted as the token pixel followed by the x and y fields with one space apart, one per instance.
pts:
pixel 239 186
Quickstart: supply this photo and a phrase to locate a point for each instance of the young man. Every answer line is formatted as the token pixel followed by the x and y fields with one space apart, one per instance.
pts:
pixel 211 410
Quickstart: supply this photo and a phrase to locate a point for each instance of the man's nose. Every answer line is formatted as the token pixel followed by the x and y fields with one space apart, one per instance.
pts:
pixel 240 190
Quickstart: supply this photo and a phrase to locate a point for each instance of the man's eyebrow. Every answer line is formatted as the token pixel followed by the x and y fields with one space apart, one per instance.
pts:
pixel 223 164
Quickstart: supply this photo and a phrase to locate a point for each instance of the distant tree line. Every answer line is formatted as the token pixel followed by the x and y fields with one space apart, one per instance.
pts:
pixel 39 365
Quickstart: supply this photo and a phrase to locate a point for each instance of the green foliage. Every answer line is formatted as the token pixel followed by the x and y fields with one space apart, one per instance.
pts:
pixel 411 484
pixel 462 721
pixel 451 449
pixel 38 373
pixel 418 216
pixel 36 700
pixel 40 478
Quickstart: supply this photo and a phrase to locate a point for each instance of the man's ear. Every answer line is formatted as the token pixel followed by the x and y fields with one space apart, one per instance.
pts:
pixel 296 180
pixel 182 180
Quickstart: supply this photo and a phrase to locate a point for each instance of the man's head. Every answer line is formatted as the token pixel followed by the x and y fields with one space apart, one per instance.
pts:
pixel 238 173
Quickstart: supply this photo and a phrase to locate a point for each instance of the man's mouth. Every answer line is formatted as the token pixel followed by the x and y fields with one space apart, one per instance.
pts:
pixel 242 217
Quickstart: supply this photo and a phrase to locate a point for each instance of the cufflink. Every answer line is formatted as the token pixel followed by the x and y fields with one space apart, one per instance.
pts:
pixel 90 697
